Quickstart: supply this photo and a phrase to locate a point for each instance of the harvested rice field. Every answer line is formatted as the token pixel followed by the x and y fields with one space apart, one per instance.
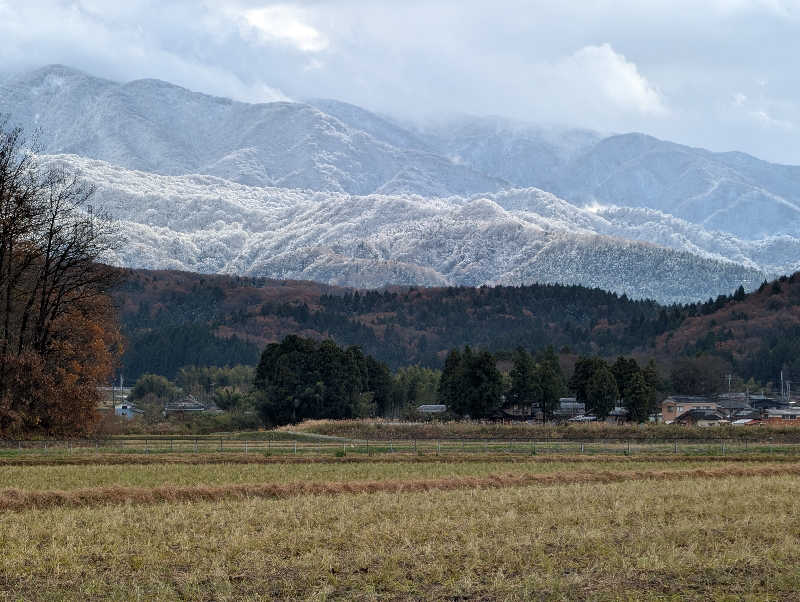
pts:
pixel 510 528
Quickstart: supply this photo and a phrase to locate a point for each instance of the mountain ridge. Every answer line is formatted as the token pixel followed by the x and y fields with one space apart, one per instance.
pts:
pixel 325 144
pixel 329 191
pixel 207 224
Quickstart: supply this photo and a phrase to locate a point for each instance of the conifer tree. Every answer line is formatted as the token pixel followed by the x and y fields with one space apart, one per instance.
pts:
pixel 601 393
pixel 524 385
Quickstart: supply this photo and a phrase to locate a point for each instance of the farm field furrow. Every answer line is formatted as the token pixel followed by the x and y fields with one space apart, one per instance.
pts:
pixel 20 500
pixel 695 538
pixel 154 475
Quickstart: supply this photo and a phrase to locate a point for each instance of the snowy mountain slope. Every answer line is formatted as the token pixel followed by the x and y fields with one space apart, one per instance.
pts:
pixel 774 255
pixel 730 192
pixel 329 145
pixel 155 126
pixel 727 192
pixel 523 154
pixel 381 128
pixel 206 224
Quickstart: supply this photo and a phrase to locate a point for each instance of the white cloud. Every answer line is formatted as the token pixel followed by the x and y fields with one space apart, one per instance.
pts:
pixel 605 77
pixel 670 68
pixel 286 24
pixel 768 120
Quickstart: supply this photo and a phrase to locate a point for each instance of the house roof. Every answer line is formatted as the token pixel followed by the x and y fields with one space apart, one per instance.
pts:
pixel 184 406
pixel 783 412
pixel 696 414
pixel 733 403
pixel 687 399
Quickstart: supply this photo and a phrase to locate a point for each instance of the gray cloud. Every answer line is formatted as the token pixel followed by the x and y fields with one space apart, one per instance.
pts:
pixel 718 74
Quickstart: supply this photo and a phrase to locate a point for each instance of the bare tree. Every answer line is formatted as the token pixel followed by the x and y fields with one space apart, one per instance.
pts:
pixel 51 250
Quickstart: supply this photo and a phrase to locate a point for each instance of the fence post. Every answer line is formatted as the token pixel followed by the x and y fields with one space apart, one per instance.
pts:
pixel 438 447
pixel 391 446
pixel 269 445
pixel 344 447
pixel 723 447
pixel 415 445
pixel 581 446
pixel 295 447
pixel 245 447
pixel 170 445
pixel 195 446
pixel 533 447
pixel 220 444
pixel 146 446
pixel 629 447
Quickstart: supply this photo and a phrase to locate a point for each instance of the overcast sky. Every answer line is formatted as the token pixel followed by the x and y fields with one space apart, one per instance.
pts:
pixel 722 74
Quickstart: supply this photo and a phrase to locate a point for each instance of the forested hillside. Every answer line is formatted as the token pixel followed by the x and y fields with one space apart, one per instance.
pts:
pixel 759 333
pixel 174 319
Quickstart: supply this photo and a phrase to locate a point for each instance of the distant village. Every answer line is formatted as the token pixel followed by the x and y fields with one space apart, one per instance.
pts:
pixel 735 408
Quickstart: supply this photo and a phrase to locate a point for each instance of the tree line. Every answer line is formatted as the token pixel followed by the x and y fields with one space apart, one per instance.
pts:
pixel 300 379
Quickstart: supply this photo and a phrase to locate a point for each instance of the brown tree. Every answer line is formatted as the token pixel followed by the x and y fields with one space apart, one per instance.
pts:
pixel 58 333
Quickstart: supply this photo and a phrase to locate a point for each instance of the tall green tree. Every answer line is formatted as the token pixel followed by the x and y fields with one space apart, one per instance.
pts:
pixel 300 378
pixel 602 393
pixel 450 381
pixel 379 381
pixel 471 385
pixel 414 386
pixel 549 389
pixel 482 384
pixel 156 386
pixel 624 370
pixel 638 398
pixel 549 382
pixel 524 384
pixel 585 369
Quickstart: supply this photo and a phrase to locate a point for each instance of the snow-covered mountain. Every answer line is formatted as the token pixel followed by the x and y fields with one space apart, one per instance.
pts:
pixel 329 191
pixel 155 126
pixel 729 192
pixel 207 224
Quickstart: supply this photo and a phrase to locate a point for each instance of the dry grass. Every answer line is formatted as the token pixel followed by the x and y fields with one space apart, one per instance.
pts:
pixel 212 475
pixel 92 459
pixel 695 538
pixel 18 499
pixel 385 430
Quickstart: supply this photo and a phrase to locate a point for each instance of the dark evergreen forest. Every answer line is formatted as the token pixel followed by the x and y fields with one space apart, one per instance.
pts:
pixel 174 319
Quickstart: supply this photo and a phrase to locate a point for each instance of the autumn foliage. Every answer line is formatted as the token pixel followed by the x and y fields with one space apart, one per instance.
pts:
pixel 58 334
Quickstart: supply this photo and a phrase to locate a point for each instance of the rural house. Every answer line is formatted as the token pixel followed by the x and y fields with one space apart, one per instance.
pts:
pixel 675 405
